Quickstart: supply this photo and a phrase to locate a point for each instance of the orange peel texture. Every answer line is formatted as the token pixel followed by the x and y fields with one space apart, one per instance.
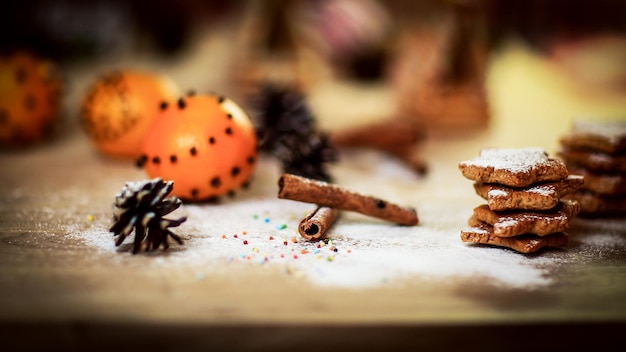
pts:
pixel 120 107
pixel 30 96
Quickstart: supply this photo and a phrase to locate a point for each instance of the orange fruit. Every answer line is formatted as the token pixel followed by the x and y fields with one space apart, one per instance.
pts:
pixel 206 144
pixel 30 94
pixel 120 107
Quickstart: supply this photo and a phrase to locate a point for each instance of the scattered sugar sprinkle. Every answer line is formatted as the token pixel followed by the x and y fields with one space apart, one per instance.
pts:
pixel 363 257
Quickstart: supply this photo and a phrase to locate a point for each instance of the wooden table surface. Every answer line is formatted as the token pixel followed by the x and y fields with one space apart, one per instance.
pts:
pixel 58 290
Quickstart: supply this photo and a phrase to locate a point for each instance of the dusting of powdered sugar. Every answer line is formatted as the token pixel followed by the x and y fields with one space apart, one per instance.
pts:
pixel 361 252
pixel 612 131
pixel 259 231
pixel 497 193
pixel 544 190
pixel 512 159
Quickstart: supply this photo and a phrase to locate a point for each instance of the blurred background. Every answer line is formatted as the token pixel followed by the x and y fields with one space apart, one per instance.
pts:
pixel 441 64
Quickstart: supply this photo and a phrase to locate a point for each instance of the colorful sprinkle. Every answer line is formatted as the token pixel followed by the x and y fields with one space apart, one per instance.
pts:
pixel 224 236
pixel 244 233
pixel 245 241
pixel 294 240
pixel 235 236
pixel 297 273
pixel 304 251
pixel 285 243
pixel 89 218
pixel 281 226
pixel 271 238
pixel 266 220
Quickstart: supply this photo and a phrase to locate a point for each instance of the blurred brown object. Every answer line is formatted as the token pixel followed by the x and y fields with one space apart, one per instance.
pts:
pixel 439 70
pixel 596 62
pixel 396 136
pixel 302 42
pixel 267 50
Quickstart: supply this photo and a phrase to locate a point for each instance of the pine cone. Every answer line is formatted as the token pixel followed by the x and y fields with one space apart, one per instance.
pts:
pixel 306 157
pixel 286 129
pixel 279 111
pixel 141 206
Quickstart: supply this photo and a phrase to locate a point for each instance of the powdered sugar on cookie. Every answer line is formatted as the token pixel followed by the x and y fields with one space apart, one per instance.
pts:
pixel 613 132
pixel 510 159
pixel 516 167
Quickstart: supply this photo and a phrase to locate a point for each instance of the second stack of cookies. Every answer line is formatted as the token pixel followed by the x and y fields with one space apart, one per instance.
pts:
pixel 524 190
pixel 598 152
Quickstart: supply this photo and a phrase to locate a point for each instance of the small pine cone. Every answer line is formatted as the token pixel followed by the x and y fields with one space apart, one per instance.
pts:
pixel 307 156
pixel 141 206
pixel 286 130
pixel 278 111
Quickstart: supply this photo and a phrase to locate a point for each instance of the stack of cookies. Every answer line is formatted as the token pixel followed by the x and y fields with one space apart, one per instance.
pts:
pixel 524 190
pixel 598 152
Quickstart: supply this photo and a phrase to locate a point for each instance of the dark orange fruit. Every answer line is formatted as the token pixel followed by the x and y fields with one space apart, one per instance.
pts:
pixel 120 107
pixel 30 95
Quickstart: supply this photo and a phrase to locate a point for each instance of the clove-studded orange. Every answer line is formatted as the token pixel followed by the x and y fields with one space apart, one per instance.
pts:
pixel 30 95
pixel 120 107
pixel 206 144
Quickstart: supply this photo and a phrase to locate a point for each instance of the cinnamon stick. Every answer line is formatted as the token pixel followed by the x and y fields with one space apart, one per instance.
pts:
pixel 328 195
pixel 315 224
pixel 396 136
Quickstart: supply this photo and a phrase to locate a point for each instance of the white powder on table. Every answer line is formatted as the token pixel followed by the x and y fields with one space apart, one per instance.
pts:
pixel 369 253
